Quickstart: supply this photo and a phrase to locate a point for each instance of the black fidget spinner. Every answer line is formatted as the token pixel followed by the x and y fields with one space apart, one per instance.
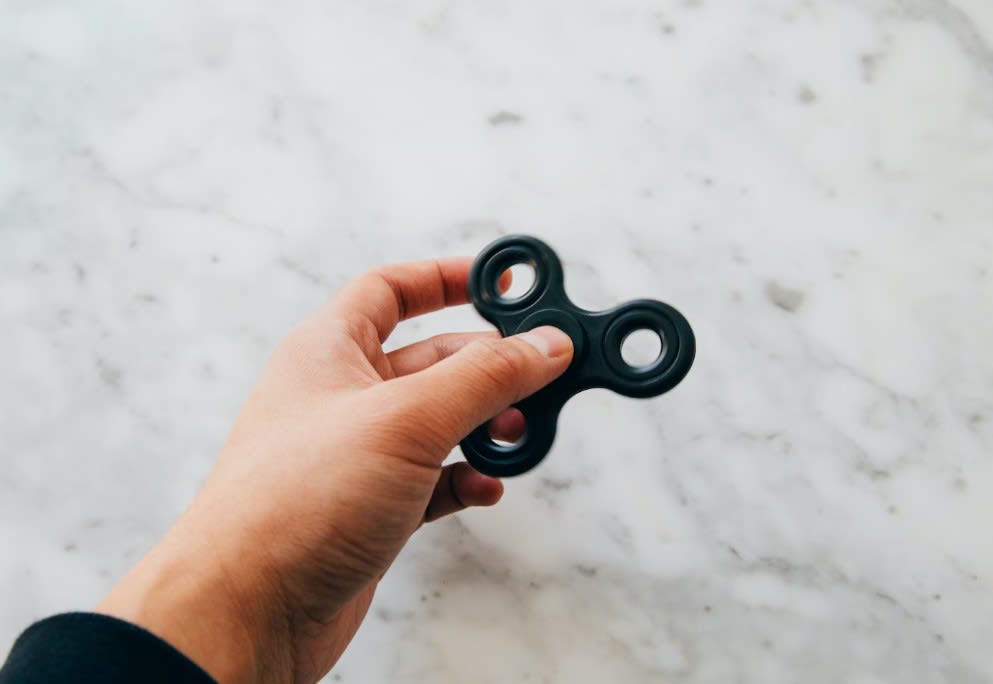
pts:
pixel 597 337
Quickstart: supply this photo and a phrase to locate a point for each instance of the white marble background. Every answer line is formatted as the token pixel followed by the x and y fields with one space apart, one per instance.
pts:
pixel 810 181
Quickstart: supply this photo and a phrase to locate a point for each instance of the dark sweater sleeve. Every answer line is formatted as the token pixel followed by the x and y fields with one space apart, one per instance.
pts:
pixel 91 648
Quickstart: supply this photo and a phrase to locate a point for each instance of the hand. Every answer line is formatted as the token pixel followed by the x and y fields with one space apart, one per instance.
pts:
pixel 335 460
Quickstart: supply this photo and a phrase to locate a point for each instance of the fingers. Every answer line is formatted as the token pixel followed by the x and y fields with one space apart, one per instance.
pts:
pixel 459 487
pixel 446 401
pixel 385 296
pixel 419 355
pixel 509 425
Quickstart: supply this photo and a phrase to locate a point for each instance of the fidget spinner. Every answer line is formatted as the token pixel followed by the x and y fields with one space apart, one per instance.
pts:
pixel 597 338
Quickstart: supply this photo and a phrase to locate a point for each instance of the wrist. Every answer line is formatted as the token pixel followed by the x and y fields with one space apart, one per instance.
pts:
pixel 209 604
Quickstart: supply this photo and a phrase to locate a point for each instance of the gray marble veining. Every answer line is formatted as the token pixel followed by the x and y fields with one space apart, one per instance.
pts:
pixel 810 182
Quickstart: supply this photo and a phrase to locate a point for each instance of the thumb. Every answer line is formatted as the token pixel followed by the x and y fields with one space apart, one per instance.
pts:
pixel 459 393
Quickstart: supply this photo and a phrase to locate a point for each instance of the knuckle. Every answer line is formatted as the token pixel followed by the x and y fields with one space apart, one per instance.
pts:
pixel 363 280
pixel 310 338
pixel 499 364
pixel 447 344
pixel 296 341
pixel 444 344
pixel 420 431
pixel 374 275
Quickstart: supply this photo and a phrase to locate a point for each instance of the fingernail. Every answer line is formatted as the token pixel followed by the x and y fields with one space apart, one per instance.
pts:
pixel 551 342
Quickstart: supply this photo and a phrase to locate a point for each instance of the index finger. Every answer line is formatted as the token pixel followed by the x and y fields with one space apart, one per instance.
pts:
pixel 386 295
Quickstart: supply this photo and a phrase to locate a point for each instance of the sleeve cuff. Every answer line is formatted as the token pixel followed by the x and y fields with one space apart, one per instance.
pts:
pixel 89 647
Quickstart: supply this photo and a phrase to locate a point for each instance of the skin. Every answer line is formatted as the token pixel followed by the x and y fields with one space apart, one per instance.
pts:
pixel 334 461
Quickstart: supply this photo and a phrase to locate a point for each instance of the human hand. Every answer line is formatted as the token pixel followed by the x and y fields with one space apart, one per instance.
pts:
pixel 334 461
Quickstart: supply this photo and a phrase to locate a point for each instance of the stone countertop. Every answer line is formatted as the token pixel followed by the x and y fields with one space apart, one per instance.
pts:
pixel 810 182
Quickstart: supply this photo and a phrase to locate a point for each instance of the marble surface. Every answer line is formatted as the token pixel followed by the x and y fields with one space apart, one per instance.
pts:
pixel 809 181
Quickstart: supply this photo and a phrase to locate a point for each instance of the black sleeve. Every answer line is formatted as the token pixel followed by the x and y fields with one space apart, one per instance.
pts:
pixel 90 648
